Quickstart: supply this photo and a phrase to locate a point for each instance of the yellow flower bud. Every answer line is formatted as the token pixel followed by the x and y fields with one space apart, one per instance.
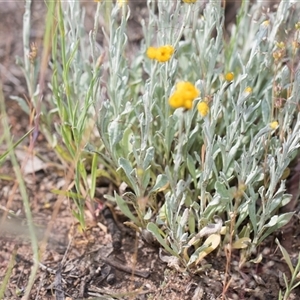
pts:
pixel 229 76
pixel 248 90
pixel 203 108
pixel 273 125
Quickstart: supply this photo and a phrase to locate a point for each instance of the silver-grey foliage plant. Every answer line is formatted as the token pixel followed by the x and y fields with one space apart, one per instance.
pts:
pixel 228 165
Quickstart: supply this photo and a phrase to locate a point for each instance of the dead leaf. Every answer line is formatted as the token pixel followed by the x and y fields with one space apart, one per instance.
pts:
pixel 30 163
pixel 241 243
pixel 212 243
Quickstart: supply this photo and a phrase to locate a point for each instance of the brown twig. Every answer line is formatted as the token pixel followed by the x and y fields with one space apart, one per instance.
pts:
pixel 143 274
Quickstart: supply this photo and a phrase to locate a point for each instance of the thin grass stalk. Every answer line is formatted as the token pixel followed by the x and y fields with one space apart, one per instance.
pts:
pixel 10 267
pixel 24 195
pixel 26 46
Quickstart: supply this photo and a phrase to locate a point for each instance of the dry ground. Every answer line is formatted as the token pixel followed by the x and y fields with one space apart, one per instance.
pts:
pixel 93 264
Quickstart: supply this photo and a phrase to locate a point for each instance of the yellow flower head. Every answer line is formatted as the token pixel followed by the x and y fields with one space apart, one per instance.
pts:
pixel 161 54
pixel 297 26
pixel 229 76
pixel 248 90
pixel 189 1
pixel 164 53
pixel 184 95
pixel 203 108
pixel 273 125
pixel 151 52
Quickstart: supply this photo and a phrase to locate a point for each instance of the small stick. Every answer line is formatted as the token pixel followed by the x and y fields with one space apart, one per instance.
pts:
pixel 144 274
pixel 115 232
pixel 59 293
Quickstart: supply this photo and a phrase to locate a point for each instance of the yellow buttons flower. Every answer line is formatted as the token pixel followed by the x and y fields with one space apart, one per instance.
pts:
pixel 161 54
pixel 229 76
pixel 203 108
pixel 189 1
pixel 164 53
pixel 248 90
pixel 184 95
pixel 273 125
pixel 151 52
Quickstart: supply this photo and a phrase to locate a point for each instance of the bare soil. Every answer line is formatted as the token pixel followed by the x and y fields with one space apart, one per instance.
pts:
pixel 109 260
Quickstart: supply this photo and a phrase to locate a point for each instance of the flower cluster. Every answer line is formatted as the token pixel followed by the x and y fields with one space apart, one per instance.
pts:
pixel 184 95
pixel 161 54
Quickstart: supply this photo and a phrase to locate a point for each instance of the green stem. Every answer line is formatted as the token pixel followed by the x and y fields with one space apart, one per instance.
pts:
pixel 184 23
pixel 178 157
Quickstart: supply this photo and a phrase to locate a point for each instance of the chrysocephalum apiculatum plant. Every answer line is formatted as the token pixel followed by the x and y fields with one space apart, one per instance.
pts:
pixel 202 129
pixel 201 125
